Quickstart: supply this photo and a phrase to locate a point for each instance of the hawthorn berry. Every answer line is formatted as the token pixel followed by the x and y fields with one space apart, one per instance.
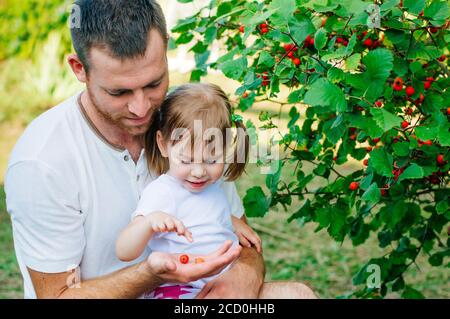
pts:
pixel 405 124
pixel 442 58
pixel 427 85
pixel 434 30
pixel 245 95
pixel 409 90
pixel 378 103
pixel 241 29
pixel 376 140
pixel 440 159
pixel 448 111
pixel 368 42
pixel 366 162
pixel 184 259
pixel 369 149
pixel 296 61
pixel 354 186
pixel 398 84
pixel 408 111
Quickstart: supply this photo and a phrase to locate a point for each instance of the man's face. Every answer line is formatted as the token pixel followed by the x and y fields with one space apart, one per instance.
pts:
pixel 125 93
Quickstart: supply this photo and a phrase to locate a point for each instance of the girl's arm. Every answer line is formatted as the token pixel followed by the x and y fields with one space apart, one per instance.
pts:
pixel 134 238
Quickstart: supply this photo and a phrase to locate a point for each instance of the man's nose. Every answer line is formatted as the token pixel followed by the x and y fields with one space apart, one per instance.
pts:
pixel 198 170
pixel 140 104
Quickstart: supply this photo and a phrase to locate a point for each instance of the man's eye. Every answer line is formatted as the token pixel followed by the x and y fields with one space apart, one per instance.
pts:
pixel 154 85
pixel 116 93
pixel 210 162
pixel 185 162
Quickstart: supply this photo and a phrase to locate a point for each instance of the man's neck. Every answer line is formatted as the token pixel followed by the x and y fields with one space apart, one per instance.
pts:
pixel 114 135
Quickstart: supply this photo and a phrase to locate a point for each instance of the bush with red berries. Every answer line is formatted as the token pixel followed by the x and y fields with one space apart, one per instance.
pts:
pixel 359 90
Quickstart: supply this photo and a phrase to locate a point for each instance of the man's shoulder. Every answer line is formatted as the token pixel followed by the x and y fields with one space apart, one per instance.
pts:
pixel 49 133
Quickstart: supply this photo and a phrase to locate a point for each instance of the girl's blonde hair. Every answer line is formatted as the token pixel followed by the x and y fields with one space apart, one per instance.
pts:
pixel 193 102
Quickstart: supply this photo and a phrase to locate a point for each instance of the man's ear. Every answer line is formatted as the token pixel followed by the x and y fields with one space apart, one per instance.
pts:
pixel 161 144
pixel 77 67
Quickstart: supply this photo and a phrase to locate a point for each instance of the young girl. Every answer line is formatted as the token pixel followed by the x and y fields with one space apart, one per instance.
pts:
pixel 187 198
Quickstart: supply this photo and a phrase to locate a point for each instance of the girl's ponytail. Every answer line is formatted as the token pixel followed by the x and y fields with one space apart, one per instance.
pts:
pixel 156 162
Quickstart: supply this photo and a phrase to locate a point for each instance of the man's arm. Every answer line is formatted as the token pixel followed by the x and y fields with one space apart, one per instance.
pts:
pixel 133 281
pixel 130 282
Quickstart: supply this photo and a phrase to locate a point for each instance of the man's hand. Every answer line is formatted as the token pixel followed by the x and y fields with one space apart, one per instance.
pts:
pixel 168 268
pixel 242 281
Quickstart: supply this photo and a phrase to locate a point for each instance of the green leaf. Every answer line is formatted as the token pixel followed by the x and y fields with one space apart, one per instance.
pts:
pixel 325 93
pixel 401 148
pixel 284 8
pixel 384 119
pixel 234 69
pixel 266 59
pixel 426 133
pixel 382 162
pixel 320 38
pixel 438 12
pixel 414 6
pixel 352 62
pixel 442 207
pixel 436 260
pixel 411 293
pixel 413 171
pixel 372 194
pixel 379 64
pixel 296 96
pixel 255 202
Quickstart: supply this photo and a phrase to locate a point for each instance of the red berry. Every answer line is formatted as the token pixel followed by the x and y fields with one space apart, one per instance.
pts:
pixel 409 90
pixel 376 140
pixel 290 54
pixel 421 98
pixel 245 95
pixel 428 142
pixel 430 79
pixel 378 103
pixel 242 29
pixel 448 111
pixel 184 259
pixel 335 158
pixel 339 40
pixel 398 84
pixel 264 30
pixel 405 124
pixel 369 149
pixel 265 76
pixel 265 83
pixel 442 58
pixel 311 42
pixel 296 61
pixel 366 162
pixel 434 30
pixel 408 111
pixel 263 25
pixel 354 186
pixel 353 137
pixel 440 159
pixel 426 85
pixel 368 42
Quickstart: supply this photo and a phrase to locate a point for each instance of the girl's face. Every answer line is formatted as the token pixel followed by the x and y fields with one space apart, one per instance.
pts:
pixel 196 168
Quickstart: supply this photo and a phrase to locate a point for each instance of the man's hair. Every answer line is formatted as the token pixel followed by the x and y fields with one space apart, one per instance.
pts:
pixel 119 26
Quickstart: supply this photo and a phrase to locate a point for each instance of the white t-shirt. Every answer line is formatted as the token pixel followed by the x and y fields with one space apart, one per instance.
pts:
pixel 205 214
pixel 69 193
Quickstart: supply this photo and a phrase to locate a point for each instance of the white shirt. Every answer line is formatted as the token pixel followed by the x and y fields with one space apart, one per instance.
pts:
pixel 205 214
pixel 69 193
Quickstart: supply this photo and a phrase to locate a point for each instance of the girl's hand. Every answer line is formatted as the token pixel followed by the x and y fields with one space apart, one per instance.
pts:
pixel 247 236
pixel 161 222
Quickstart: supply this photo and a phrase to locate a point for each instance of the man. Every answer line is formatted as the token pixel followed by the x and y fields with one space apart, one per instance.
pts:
pixel 78 170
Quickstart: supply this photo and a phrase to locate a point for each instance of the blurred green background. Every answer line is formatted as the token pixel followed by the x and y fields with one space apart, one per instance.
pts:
pixel 34 41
